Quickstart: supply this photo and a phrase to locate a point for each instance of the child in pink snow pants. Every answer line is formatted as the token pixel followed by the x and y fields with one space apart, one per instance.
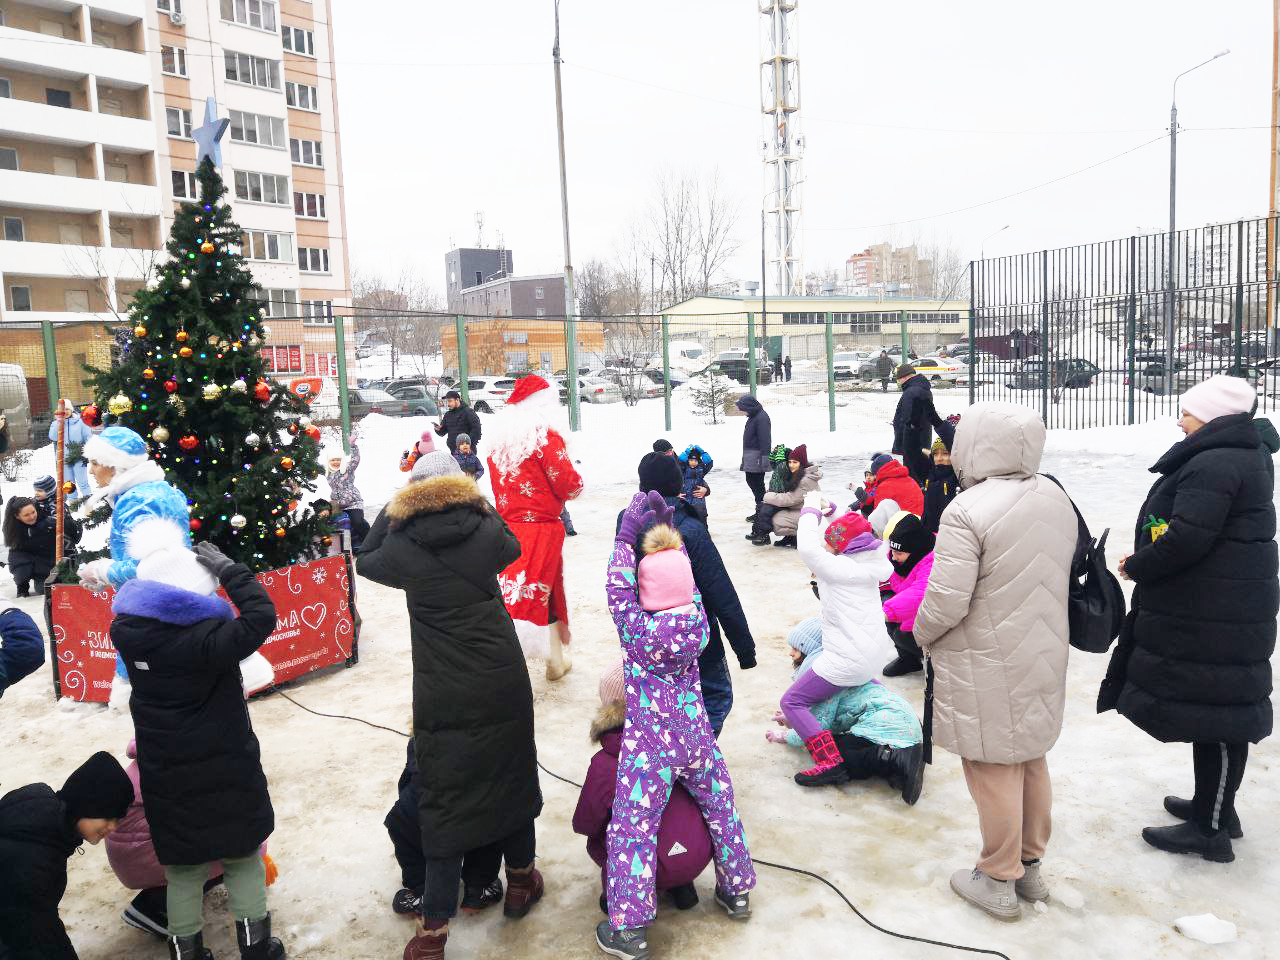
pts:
pixel 667 736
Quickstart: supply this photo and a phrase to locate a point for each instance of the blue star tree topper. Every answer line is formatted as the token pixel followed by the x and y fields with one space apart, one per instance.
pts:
pixel 207 136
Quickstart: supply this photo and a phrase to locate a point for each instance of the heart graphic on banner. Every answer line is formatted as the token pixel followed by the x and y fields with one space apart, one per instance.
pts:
pixel 314 615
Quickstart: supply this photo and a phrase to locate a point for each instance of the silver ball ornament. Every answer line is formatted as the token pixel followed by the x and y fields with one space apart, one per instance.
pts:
pixel 239 386
pixel 238 522
pixel 252 440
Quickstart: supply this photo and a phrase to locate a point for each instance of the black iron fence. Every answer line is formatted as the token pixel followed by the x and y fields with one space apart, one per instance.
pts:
pixel 1113 332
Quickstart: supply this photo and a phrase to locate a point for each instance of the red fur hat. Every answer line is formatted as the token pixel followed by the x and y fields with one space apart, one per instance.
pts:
pixel 527 387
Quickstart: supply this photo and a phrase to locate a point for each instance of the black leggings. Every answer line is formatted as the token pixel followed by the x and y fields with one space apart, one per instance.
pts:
pixel 440 895
pixel 1219 768
pixel 756 482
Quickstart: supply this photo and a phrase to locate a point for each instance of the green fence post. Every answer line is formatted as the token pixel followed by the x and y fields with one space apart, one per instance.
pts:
pixel 1131 327
pixel 50 363
pixel 831 376
pixel 751 353
pixel 973 344
pixel 460 328
pixel 344 401
pixel 571 369
pixel 905 336
pixel 1044 338
pixel 666 368
pixel 1239 318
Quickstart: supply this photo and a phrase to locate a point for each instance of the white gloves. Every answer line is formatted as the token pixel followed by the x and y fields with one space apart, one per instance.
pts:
pixel 94 573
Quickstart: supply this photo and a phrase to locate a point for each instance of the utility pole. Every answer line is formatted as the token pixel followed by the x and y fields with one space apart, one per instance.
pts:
pixel 570 304
pixel 1272 205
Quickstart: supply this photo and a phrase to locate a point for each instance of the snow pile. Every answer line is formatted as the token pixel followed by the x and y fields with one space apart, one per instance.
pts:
pixel 1206 928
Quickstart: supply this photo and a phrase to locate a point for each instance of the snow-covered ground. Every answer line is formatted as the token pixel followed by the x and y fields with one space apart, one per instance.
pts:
pixel 333 780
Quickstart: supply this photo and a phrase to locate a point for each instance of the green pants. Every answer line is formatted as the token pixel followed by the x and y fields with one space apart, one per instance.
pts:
pixel 246 881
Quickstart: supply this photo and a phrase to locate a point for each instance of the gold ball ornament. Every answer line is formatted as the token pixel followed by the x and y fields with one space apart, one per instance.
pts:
pixel 326 540
pixel 68 486
pixel 185 352
pixel 213 340
pixel 212 391
pixel 139 331
pixel 160 435
pixel 280 532
pixel 207 247
pixel 182 336
pixel 148 374
pixel 119 404
pixel 286 463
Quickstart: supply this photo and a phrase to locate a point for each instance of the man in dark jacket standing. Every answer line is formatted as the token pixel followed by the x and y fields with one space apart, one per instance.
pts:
pixel 757 441
pixel 719 597
pixel 884 370
pixel 1193 664
pixel 458 419
pixel 39 830
pixel 913 422
pixel 786 366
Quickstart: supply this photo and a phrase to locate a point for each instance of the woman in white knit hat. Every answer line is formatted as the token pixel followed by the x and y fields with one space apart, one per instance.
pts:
pixel 1193 661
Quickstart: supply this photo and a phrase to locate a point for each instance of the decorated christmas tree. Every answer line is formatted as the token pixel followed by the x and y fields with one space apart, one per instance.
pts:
pixel 190 379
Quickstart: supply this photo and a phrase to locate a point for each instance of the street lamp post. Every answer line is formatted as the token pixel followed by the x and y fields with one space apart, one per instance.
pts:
pixel 1171 268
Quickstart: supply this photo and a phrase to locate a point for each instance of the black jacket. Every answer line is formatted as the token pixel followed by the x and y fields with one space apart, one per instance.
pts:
pixel 38 540
pixel 440 542
pixel 35 840
pixel 462 420
pixel 884 366
pixel 940 489
pixel 199 765
pixel 1193 662
pixel 757 437
pixel 914 417
pixel 719 596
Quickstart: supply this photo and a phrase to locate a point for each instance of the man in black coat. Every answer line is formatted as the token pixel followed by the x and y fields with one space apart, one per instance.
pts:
pixel 884 370
pixel 1194 659
pixel 913 422
pixel 458 419
pixel 39 830
pixel 441 542
pixel 757 441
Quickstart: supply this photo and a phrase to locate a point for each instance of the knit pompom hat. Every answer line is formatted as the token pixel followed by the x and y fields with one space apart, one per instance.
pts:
pixel 45 486
pixel 437 463
pixel 663 576
pixel 799 454
pixel 842 530
pixel 881 515
pixel 98 789
pixel 880 460
pixel 1219 396
pixel 117 447
pixel 461 439
pixel 612 688
pixel 426 443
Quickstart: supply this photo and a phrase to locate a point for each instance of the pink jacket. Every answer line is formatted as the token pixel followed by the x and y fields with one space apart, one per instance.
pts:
pixel 908 592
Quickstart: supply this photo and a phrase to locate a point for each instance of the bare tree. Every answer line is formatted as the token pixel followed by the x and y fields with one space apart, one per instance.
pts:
pixel 717 221
pixel 391 311
pixel 690 233
pixel 594 284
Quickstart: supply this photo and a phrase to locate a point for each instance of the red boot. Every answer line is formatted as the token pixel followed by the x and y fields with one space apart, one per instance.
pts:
pixel 829 765
pixel 428 947
pixel 524 889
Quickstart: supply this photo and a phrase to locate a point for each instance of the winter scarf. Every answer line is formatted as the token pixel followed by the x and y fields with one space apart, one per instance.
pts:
pixel 781 472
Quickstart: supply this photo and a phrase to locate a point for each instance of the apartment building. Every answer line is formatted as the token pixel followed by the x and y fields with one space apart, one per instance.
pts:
pixel 97 104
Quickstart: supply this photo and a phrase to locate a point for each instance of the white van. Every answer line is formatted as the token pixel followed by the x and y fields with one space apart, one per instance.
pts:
pixel 14 403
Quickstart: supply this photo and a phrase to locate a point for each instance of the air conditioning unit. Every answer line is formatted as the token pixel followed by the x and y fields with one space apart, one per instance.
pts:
pixel 177 18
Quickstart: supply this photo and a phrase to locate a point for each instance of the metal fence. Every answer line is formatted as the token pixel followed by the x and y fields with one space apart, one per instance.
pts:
pixel 1113 332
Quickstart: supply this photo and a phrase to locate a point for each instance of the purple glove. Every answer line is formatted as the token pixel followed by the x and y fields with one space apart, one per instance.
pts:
pixel 635 518
pixel 661 512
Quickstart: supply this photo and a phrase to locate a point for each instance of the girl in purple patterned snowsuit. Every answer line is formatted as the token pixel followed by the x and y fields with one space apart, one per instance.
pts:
pixel 667 736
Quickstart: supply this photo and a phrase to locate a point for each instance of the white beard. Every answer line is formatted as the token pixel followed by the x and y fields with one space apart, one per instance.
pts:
pixel 520 430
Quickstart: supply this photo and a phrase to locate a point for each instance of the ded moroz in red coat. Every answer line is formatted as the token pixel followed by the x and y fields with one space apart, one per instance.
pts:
pixel 533 477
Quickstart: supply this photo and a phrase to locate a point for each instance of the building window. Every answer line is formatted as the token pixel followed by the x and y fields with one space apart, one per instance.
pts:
pixel 255 128
pixel 13 229
pixel 169 6
pixel 20 298
pixel 255 71
pixel 282 359
pixel 173 60
pixel 538 293
pixel 185 185
pixel 302 96
pixel 542 312
pixel 76 301
pixel 277 303
pixel 317 311
pixel 313 259
pixel 6 90
pixel 306 153
pixel 262 187
pixel 8 158
pixel 259 14
pixel 57 98
pixel 309 205
pixel 179 122
pixel 267 245
pixel 297 40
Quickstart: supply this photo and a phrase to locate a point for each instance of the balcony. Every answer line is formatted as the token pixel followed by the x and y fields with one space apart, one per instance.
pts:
pixel 64 260
pixel 48 191
pixel 72 58
pixel 39 121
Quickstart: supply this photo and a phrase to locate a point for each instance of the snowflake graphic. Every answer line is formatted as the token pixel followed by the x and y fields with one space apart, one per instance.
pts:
pixel 552 473
pixel 562 454
pixel 526 489
pixel 502 500
pixel 530 518
pixel 317 576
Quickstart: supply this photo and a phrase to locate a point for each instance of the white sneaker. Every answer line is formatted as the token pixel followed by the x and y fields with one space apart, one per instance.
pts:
pixel 1031 886
pixel 996 897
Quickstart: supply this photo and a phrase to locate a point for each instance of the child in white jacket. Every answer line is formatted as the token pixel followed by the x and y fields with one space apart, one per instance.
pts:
pixel 849 563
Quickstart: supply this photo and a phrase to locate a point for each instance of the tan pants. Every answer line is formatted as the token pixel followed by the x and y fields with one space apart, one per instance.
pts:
pixel 1014 802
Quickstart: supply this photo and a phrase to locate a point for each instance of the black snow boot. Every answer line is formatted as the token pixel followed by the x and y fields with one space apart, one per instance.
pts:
pixel 903 767
pixel 901 666
pixel 787 541
pixel 149 912
pixel 188 948
pixel 24 589
pixel 480 896
pixel 759 539
pixel 1182 810
pixel 1190 838
pixel 406 901
pixel 255 940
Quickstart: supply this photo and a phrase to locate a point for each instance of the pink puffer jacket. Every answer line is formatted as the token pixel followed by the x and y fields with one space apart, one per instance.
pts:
pixel 908 591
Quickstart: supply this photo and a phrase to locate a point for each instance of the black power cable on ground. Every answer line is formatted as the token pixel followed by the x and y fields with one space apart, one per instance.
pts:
pixel 757 861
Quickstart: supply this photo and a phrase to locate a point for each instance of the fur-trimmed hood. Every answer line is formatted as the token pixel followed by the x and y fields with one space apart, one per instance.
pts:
pixel 611 716
pixel 168 604
pixel 434 495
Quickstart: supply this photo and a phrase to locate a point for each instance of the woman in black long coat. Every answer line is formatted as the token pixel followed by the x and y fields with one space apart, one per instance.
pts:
pixel 441 542
pixel 1193 662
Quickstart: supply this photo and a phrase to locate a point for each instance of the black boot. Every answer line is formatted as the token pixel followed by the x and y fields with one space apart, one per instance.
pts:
pixel 1190 838
pixel 477 897
pixel 903 767
pixel 149 912
pixel 24 589
pixel 759 539
pixel 1182 810
pixel 255 940
pixel 407 901
pixel 787 541
pixel 902 666
pixel 188 948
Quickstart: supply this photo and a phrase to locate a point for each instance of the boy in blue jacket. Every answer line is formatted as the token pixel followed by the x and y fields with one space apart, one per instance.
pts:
pixel 695 464
pixel 21 647
pixel 465 454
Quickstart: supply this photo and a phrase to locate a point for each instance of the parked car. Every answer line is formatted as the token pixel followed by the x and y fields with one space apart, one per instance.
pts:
pixel 420 397
pixel 678 377
pixel 1186 375
pixel 937 368
pixel 738 370
pixel 634 384
pixel 591 390
pixel 15 405
pixel 847 364
pixel 895 351
pixel 488 394
pixel 1074 373
pixel 364 400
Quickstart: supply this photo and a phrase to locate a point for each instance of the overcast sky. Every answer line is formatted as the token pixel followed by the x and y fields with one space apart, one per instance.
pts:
pixel 910 110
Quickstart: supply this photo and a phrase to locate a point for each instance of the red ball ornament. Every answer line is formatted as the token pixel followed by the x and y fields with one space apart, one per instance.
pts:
pixel 293 429
pixel 262 392
pixel 195 524
pixel 280 532
pixel 91 415
pixel 171 386
pixel 189 442
pixel 293 504
pixel 313 433
pixel 207 247
pixel 286 463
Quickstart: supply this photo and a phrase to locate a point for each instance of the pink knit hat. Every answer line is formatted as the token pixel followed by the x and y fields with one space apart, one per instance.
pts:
pixel 1219 396
pixel 612 688
pixel 663 575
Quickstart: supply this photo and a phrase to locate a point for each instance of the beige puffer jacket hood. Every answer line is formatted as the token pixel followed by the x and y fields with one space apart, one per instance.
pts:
pixel 994 617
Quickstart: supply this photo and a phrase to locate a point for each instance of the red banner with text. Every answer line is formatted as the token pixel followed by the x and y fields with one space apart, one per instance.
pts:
pixel 315 627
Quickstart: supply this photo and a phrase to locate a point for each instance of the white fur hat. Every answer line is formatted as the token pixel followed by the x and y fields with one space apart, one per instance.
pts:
pixel 160 547
pixel 1219 396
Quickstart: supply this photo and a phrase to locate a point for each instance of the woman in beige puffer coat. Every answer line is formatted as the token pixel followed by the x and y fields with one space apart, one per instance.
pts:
pixel 993 624
pixel 780 511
